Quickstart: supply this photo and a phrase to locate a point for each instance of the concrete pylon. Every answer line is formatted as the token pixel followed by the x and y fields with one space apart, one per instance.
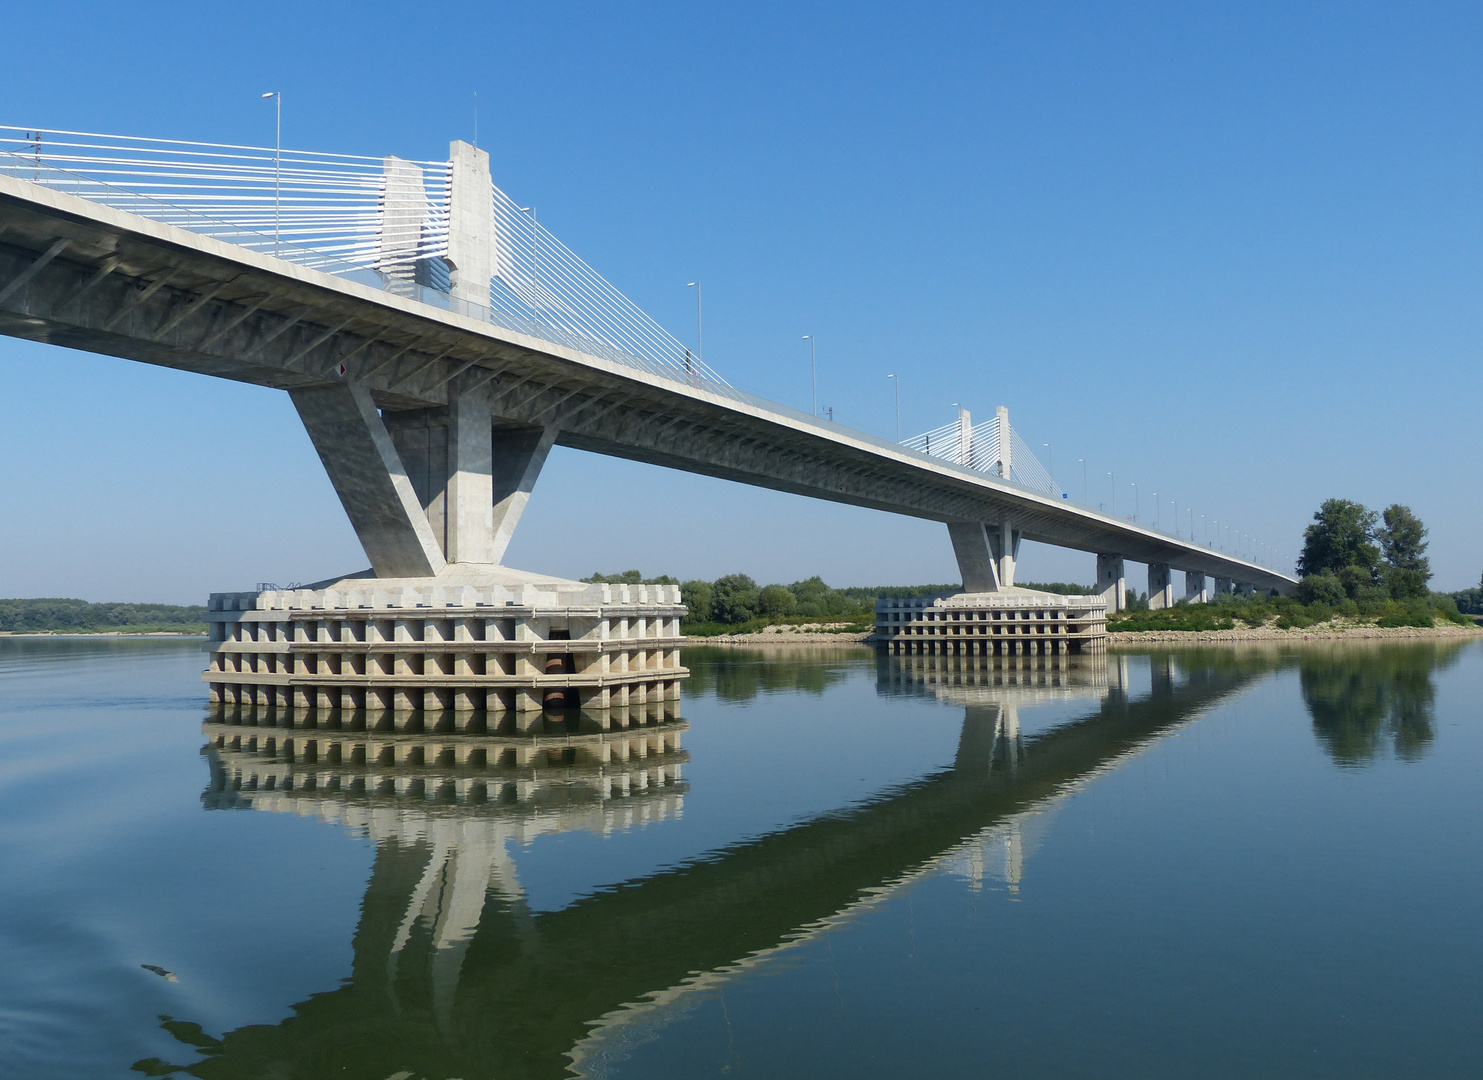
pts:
pixel 471 236
pixel 965 437
pixel 1112 582
pixel 1006 450
pixel 1222 586
pixel 1194 588
pixel 404 210
pixel 1160 586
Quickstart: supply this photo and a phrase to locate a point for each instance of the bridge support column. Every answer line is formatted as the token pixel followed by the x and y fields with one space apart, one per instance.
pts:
pixel 517 457
pixel 1222 586
pixel 986 554
pixel 1194 588
pixel 975 556
pixel 368 475
pixel 1112 581
pixel 1160 586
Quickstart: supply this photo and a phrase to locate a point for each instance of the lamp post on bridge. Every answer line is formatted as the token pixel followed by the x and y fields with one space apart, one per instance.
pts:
pixel 897 381
pixel 1156 505
pixel 1083 480
pixel 1135 500
pixel 699 327
pixel 1114 492
pixel 277 96
pixel 1051 457
pixel 813 360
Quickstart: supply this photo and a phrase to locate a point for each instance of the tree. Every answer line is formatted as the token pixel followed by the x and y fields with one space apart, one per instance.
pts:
pixel 1403 540
pixel 735 599
pixel 698 597
pixel 1341 536
pixel 776 600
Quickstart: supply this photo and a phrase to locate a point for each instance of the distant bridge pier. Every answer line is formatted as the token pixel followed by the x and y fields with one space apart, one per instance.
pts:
pixel 1222 586
pixel 1112 581
pixel 1194 588
pixel 1160 586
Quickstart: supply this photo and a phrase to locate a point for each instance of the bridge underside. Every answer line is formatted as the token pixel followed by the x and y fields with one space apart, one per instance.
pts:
pixel 434 425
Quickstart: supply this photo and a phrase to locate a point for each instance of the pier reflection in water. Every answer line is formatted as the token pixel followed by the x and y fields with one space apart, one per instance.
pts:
pixel 455 976
pixel 1180 862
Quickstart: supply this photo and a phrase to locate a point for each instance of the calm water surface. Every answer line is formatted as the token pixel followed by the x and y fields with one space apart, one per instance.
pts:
pixel 1215 864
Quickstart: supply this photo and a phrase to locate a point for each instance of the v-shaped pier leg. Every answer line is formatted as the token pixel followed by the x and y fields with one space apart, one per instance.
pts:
pixel 363 464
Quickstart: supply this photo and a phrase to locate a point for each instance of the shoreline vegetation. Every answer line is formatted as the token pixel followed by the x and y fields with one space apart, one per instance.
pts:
pixel 59 615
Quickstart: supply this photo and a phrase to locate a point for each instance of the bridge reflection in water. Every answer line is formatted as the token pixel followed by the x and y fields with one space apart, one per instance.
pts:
pixel 455 975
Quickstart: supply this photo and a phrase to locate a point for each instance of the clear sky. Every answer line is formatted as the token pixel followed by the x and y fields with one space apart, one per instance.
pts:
pixel 1230 253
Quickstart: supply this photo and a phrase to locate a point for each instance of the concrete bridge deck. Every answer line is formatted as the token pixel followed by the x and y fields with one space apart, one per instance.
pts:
pixel 80 274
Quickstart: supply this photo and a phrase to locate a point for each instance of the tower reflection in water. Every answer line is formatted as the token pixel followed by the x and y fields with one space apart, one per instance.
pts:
pixel 454 975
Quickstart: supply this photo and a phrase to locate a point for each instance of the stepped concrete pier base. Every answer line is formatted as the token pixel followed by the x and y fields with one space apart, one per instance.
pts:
pixel 1008 622
pixel 474 649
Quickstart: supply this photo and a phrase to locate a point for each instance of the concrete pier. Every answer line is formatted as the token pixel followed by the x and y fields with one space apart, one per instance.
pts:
pixel 416 654
pixel 1011 622
pixel 1160 586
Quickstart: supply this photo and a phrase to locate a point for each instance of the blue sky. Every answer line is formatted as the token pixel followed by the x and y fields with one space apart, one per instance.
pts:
pixel 1230 253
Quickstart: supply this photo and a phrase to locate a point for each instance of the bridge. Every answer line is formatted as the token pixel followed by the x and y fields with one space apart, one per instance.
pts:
pixel 437 342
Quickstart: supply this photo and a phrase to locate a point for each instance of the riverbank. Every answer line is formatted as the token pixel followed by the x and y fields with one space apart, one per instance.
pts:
pixel 838 633
pixel 820 633
pixel 1352 632
pixel 102 633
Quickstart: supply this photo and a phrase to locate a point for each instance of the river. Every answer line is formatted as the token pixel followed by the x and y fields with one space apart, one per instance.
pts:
pixel 1230 862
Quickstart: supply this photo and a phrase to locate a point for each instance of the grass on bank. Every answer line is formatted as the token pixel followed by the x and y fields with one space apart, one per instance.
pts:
pixel 1287 613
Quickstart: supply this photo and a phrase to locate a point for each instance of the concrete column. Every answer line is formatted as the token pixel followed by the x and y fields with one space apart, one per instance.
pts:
pixel 358 453
pixel 976 561
pixel 421 440
pixel 1222 586
pixel 1194 588
pixel 1004 541
pixel 471 236
pixel 965 437
pixel 517 457
pixel 1112 582
pixel 1160 586
pixel 470 502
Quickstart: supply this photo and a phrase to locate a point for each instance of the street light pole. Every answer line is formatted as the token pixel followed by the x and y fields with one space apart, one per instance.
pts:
pixel 1135 500
pixel 813 359
pixel 277 96
pixel 699 327
pixel 1083 481
pixel 1051 457
pixel 898 405
pixel 1114 492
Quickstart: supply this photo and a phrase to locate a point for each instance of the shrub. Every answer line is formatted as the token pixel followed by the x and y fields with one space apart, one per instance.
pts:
pixel 1370 599
pixel 1405 618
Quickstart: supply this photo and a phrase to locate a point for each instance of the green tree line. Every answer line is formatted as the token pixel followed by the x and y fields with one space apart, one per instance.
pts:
pixel 59 615
pixel 735 602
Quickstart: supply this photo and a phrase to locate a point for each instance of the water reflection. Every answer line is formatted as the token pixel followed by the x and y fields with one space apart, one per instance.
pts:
pixel 1361 698
pixel 455 975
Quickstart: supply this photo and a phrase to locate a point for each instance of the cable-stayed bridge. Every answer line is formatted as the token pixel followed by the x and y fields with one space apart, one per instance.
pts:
pixel 437 341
